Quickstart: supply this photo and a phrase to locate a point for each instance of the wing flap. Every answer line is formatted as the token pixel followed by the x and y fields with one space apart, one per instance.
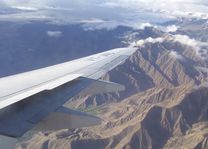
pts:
pixel 7 142
pixel 101 86
pixel 65 118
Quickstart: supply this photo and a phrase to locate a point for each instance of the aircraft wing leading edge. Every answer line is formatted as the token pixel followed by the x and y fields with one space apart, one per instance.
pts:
pixel 27 99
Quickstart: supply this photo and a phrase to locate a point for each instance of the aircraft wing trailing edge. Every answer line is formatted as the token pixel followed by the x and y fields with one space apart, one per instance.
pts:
pixel 32 99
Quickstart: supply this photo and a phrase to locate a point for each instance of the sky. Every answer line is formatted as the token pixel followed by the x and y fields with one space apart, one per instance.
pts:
pixel 167 5
pixel 112 3
pixel 108 13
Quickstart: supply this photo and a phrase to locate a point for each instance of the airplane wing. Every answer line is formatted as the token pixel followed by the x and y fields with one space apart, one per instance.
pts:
pixel 29 98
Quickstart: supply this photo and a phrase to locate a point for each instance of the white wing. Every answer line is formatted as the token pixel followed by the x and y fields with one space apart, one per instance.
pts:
pixel 25 97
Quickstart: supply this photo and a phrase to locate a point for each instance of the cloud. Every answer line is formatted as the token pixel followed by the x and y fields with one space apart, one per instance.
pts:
pixel 185 40
pixel 91 25
pixel 109 13
pixel 176 55
pixel 200 48
pixel 167 29
pixel 54 33
pixel 202 69
pixel 25 8
pixel 49 3
pixel 97 24
pixel 190 14
pixel 144 25
pixel 110 4
pixel 2 4
pixel 178 8
pixel 92 21
pixel 142 42
pixel 172 28
pixel 161 4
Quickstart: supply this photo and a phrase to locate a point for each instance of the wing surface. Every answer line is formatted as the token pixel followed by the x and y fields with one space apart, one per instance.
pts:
pixel 29 98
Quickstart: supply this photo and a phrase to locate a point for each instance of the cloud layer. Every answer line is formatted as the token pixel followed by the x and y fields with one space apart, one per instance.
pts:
pixel 161 4
pixel 99 14
pixel 199 47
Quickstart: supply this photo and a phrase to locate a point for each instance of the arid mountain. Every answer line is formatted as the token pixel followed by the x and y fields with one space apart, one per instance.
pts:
pixel 165 104
pixel 164 64
pixel 165 101
pixel 157 118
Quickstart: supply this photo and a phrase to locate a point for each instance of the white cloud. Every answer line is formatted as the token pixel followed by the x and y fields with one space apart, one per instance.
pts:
pixel 144 25
pixel 133 13
pixel 92 21
pixel 172 28
pixel 178 8
pixel 161 4
pixel 49 3
pixel 190 14
pixel 19 17
pixel 110 4
pixel 109 25
pixel 142 42
pixel 176 55
pixel 154 40
pixel 202 69
pixel 25 8
pixel 93 24
pixel 2 4
pixel 185 40
pixel 200 48
pixel 54 33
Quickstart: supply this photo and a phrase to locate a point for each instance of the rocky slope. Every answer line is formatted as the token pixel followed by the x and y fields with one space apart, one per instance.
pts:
pixel 165 104
pixel 157 118
pixel 164 64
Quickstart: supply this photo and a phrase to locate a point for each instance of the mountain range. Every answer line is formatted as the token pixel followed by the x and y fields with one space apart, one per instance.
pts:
pixel 165 104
